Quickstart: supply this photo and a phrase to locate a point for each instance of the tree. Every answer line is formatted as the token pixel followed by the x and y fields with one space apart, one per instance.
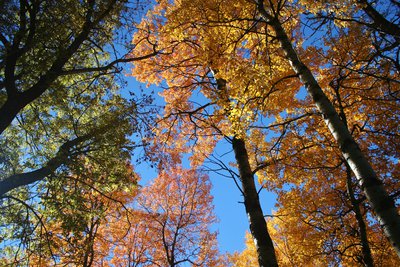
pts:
pixel 256 75
pixel 36 57
pixel 175 214
pixel 374 190
pixel 64 227
pixel 59 100
pixel 190 66
pixel 247 257
pixel 163 224
pixel 251 56
pixel 60 84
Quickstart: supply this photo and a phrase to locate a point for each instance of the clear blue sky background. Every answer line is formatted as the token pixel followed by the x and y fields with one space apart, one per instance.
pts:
pixel 232 219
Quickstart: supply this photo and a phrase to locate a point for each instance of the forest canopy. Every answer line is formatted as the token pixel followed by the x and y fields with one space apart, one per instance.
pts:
pixel 303 95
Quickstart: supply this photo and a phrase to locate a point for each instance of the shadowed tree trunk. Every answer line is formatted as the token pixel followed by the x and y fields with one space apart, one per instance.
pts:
pixel 380 21
pixel 258 226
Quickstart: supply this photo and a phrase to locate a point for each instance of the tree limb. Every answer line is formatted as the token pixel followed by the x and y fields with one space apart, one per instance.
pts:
pixel 63 156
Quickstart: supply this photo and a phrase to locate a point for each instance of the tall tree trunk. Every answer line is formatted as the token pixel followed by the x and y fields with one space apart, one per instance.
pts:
pixel 382 204
pixel 366 251
pixel 258 226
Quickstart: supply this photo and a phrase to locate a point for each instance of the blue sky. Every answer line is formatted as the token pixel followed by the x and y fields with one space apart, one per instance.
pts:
pixel 228 202
pixel 232 219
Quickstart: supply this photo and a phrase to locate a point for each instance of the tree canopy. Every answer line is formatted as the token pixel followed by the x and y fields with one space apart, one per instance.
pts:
pixel 269 55
pixel 304 95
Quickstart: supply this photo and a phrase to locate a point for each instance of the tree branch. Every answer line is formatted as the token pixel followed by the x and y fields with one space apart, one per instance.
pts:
pixel 63 156
pixel 108 66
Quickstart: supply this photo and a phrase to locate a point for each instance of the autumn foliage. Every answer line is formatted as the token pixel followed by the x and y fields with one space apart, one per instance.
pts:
pixel 169 225
pixel 166 223
pixel 248 62
pixel 304 96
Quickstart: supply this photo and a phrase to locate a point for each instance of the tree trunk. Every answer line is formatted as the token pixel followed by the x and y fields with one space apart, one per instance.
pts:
pixel 380 21
pixel 258 226
pixel 366 251
pixel 382 204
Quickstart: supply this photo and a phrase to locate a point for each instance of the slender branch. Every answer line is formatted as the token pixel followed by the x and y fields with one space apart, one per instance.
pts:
pixel 108 66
